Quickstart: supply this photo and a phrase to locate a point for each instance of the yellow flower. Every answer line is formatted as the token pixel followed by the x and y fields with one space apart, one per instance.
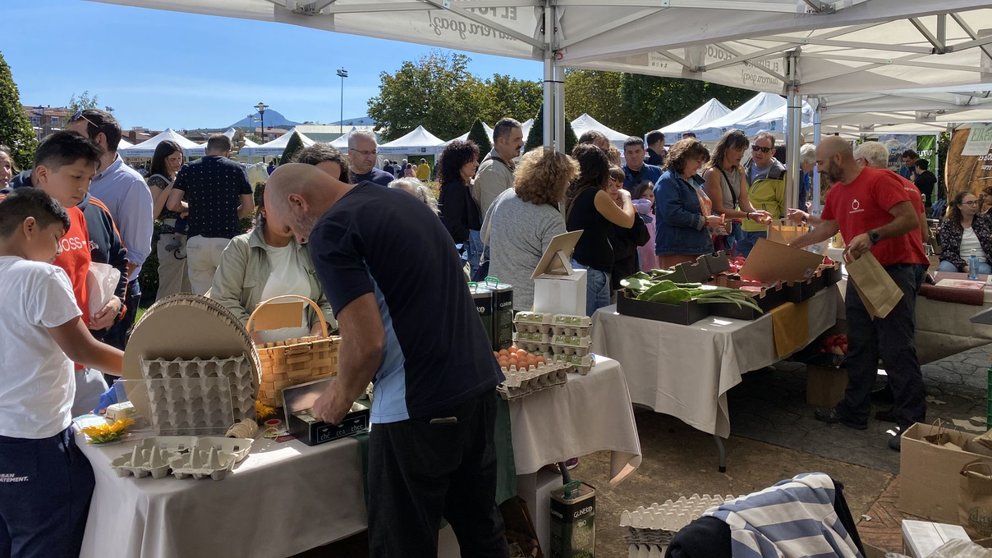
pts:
pixel 263 411
pixel 107 432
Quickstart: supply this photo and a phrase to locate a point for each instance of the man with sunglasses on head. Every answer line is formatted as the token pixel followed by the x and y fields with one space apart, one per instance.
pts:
pixel 362 152
pixel 766 189
pixel 129 200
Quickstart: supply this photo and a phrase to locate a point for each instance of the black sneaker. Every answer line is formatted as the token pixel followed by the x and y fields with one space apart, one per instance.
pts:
pixel 895 438
pixel 886 415
pixel 831 416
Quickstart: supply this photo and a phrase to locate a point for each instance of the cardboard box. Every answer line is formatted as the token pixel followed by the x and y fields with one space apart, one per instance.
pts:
pixel 767 299
pixel 825 385
pixel 929 474
pixel 691 272
pixel 770 261
pixel 717 263
pixel 561 294
pixel 921 538
pixel 558 288
pixel 800 291
pixel 683 313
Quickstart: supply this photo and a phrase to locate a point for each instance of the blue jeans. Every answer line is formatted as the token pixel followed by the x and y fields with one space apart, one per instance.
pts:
pixel 983 267
pixel 474 250
pixel 597 288
pixel 46 497
pixel 745 245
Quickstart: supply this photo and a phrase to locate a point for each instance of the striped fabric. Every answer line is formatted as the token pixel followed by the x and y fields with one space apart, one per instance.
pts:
pixel 794 518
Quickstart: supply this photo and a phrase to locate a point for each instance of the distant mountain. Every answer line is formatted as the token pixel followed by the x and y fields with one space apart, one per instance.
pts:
pixel 361 121
pixel 273 119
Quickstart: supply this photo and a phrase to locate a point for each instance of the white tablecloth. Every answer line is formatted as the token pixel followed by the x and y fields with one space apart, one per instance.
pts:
pixel 588 414
pixel 283 499
pixel 686 371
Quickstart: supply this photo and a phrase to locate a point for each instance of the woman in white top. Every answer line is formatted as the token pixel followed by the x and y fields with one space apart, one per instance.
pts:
pixel 265 263
pixel 964 233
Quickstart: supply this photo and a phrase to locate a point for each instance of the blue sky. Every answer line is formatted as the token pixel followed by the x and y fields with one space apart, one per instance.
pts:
pixel 164 69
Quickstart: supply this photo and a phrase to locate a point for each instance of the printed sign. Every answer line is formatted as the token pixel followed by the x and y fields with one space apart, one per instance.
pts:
pixel 979 141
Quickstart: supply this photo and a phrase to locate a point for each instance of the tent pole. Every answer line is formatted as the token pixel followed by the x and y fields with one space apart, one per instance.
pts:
pixel 817 120
pixel 793 137
pixel 549 77
pixel 559 91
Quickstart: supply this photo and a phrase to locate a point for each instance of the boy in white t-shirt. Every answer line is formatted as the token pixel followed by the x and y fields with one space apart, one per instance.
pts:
pixel 45 481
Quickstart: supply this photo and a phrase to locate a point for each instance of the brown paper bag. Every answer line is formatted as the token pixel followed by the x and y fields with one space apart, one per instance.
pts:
pixel 975 498
pixel 783 232
pixel 877 290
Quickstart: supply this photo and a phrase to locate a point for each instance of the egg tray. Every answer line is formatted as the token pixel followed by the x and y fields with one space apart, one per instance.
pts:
pixel 580 364
pixel 670 516
pixel 183 456
pixel 533 318
pixel 569 350
pixel 649 550
pixel 189 400
pixel 538 349
pixel 520 383
pixel 531 337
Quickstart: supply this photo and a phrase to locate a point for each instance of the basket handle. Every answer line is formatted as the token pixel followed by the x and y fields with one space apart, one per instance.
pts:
pixel 298 298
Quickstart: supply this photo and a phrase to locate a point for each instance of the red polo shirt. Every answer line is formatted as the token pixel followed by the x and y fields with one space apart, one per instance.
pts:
pixel 864 205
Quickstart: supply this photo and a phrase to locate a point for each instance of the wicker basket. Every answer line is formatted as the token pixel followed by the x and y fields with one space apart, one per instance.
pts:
pixel 294 361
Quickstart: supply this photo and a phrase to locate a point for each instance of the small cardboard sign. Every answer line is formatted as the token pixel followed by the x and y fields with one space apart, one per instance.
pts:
pixel 277 316
pixel 770 261
pixel 556 260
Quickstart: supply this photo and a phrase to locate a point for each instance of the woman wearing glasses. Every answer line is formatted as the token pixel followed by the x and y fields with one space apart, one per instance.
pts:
pixel 766 190
pixel 963 234
pixel 726 186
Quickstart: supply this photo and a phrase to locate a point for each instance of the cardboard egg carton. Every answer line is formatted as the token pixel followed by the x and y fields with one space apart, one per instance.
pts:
pixel 119 411
pixel 522 382
pixel 670 516
pixel 533 318
pixel 526 327
pixel 569 350
pixel 568 320
pixel 581 364
pixel 649 530
pixel 183 456
pixel 192 399
pixel 542 349
pixel 534 337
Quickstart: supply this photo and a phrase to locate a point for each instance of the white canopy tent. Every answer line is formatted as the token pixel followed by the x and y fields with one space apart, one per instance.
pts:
pixel 585 123
pixel 755 107
pixel 147 147
pixel 124 144
pixel 695 120
pixel 780 46
pixel 275 147
pixel 341 142
pixel 417 142
pixel 463 137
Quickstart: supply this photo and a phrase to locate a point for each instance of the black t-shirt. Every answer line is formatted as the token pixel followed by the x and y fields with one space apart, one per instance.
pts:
pixel 593 249
pixel 925 182
pixel 213 187
pixel 380 177
pixel 389 243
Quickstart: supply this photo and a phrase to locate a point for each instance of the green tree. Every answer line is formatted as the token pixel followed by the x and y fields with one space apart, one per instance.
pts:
pixel 82 102
pixel 479 135
pixel 597 94
pixel 15 127
pixel 436 91
pixel 293 146
pixel 536 136
pixel 511 97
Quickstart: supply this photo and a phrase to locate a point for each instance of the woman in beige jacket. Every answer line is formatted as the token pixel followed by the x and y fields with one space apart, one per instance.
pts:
pixel 266 263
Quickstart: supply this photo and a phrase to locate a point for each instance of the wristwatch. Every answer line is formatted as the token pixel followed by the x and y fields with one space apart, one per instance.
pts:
pixel 874 237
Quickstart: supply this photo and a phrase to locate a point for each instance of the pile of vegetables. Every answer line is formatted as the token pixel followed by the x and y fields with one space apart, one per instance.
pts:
pixel 834 344
pixel 654 287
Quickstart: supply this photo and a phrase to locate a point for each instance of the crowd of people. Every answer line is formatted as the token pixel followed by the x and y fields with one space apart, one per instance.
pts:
pixel 379 254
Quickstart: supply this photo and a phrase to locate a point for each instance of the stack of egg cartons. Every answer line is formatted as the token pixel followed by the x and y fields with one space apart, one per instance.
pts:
pixel 649 530
pixel 559 337
pixel 525 381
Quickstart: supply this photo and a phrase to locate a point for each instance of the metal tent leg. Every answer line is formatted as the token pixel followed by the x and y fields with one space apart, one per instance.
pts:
pixel 723 453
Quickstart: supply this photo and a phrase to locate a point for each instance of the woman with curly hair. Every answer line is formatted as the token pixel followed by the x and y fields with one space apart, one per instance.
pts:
pixel 590 208
pixel 171 248
pixel 459 212
pixel 684 221
pixel 522 220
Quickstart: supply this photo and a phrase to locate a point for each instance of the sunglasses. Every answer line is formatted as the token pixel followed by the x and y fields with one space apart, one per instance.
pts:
pixel 761 149
pixel 78 115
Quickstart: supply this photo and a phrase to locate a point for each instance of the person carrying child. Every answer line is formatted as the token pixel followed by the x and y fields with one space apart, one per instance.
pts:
pixel 45 480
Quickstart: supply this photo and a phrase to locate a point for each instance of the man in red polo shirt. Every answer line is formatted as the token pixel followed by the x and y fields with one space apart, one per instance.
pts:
pixel 873 213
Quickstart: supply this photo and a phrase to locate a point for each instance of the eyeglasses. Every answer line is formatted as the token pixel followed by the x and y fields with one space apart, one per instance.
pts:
pixel 365 153
pixel 761 149
pixel 78 115
pixel 972 202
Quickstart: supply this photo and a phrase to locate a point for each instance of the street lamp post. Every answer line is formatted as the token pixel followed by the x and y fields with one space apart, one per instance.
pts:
pixel 260 107
pixel 342 73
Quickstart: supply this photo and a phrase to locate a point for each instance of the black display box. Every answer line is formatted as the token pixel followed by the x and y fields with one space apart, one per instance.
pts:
pixel 683 313
pixel 312 431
